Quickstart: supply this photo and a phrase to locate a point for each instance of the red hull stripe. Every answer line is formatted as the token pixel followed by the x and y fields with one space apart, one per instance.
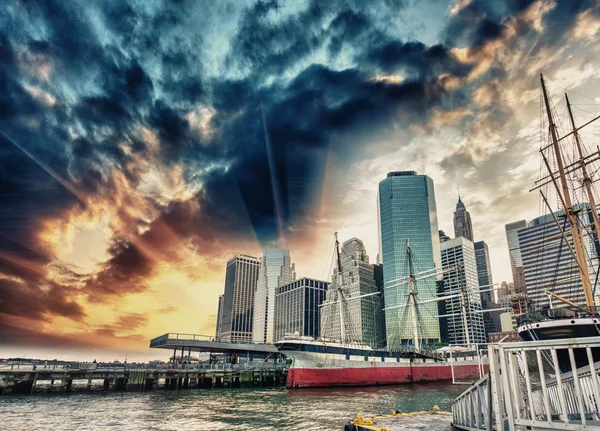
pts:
pixel 323 377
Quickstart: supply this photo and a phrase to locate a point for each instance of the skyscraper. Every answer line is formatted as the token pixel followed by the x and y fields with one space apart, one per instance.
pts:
pixel 484 270
pixel 362 315
pixel 462 221
pixel 219 318
pixel 238 299
pixel 276 269
pixel 458 255
pixel 516 263
pixel 484 275
pixel 407 211
pixel 297 308
pixel 547 260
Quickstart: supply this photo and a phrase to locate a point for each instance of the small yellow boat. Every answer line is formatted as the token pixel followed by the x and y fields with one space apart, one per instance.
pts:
pixel 430 420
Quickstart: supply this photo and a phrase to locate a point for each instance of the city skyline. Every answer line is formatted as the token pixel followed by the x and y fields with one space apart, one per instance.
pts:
pixel 144 145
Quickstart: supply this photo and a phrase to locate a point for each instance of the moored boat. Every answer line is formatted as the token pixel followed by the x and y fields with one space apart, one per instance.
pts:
pixel 324 364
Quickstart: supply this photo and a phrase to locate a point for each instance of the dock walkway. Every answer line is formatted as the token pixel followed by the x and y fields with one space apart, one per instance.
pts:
pixel 25 380
pixel 528 388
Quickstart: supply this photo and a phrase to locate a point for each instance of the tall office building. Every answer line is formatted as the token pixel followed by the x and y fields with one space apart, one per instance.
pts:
pixel 297 308
pixel 238 299
pixel 462 221
pixel 276 269
pixel 516 263
pixel 219 318
pixel 362 315
pixel 458 255
pixel 484 275
pixel 407 211
pixel 377 269
pixel 547 261
pixel 484 269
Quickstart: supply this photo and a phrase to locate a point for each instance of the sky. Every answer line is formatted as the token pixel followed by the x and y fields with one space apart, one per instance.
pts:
pixel 144 143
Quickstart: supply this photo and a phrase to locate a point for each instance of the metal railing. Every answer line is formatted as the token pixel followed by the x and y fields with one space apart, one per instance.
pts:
pixel 535 385
pixel 471 410
pixel 254 365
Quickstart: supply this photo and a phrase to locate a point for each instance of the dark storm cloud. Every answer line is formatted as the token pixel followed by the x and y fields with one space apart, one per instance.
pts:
pixel 481 21
pixel 38 301
pixel 419 60
pixel 267 47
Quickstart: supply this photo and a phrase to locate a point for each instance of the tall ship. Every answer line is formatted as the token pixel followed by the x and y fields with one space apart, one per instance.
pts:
pixel 348 362
pixel 568 312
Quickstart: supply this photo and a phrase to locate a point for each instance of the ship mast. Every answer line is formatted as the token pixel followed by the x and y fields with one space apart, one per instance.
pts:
pixel 463 305
pixel 340 281
pixel 412 299
pixel 566 198
pixel 587 181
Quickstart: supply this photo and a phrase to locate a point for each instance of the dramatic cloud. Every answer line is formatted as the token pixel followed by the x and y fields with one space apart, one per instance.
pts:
pixel 142 145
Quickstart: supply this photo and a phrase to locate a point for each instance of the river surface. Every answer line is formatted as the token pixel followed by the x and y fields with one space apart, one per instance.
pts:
pixel 223 409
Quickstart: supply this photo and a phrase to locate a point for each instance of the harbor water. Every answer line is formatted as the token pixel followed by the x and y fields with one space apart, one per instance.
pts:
pixel 220 409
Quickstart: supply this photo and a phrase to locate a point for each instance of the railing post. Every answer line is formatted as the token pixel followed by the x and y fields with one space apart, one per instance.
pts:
pixel 528 385
pixel 516 385
pixel 507 390
pixel 578 396
pixel 594 378
pixel 561 394
pixel 545 398
pixel 496 403
pixel 489 426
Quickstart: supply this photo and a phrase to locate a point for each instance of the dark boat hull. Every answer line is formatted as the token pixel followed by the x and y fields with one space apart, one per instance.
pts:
pixel 559 329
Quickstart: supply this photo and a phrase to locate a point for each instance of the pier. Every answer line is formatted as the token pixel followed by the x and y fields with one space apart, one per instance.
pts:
pixel 24 379
pixel 536 385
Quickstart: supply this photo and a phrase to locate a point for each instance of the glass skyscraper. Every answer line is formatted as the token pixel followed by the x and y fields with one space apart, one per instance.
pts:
pixel 458 256
pixel 297 308
pixel 547 261
pixel 491 320
pixel 237 302
pixel 407 211
pixel 516 262
pixel 276 269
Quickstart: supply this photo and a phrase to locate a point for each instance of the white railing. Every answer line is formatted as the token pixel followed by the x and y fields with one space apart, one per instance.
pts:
pixel 526 389
pixel 471 410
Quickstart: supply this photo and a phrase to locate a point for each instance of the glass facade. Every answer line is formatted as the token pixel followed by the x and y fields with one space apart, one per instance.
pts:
pixel 219 318
pixel 276 269
pixel 407 211
pixel 458 255
pixel 237 304
pixel 516 262
pixel 484 275
pixel 548 263
pixel 297 308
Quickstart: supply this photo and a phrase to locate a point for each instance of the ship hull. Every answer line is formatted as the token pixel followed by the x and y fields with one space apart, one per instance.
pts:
pixel 577 327
pixel 318 370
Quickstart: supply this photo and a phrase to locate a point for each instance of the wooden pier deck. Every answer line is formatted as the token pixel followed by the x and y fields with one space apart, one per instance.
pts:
pixel 25 381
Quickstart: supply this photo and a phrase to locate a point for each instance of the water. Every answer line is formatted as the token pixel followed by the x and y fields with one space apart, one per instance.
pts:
pixel 219 409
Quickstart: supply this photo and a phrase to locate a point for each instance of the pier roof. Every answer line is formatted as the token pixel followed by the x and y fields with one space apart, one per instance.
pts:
pixel 205 343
